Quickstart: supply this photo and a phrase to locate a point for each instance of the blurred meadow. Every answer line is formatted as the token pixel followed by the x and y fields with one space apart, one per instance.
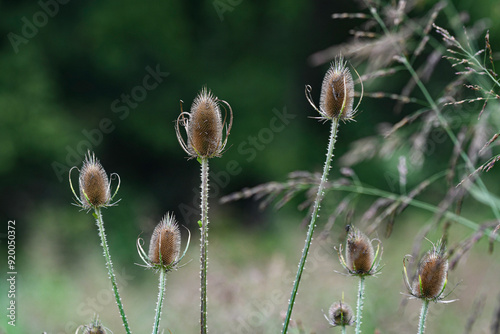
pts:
pixel 108 77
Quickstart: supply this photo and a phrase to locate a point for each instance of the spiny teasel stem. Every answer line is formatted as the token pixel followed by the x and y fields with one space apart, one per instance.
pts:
pixel 109 265
pixel 204 244
pixel 359 306
pixel 312 224
pixel 159 303
pixel 423 316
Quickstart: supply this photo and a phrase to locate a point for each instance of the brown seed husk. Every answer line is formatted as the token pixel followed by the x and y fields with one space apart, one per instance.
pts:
pixel 433 271
pixel 340 314
pixel 337 90
pixel 94 183
pixel 359 252
pixel 205 126
pixel 166 240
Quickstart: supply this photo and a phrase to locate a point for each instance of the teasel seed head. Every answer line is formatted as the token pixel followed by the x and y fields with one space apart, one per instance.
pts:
pixel 94 184
pixel 204 126
pixel 432 275
pixel 361 259
pixel 165 244
pixel 340 314
pixel 164 247
pixel 95 327
pixel 337 93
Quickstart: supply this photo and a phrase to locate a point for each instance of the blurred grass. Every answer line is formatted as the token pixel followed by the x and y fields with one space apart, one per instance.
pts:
pixel 250 275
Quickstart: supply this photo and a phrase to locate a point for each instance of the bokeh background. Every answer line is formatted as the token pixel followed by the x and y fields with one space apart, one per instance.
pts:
pixel 74 81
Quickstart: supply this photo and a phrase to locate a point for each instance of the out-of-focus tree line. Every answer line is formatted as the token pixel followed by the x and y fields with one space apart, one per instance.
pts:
pixel 108 76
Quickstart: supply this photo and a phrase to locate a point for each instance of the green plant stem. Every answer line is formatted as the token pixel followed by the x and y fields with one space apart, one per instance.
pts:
pixel 109 265
pixel 423 316
pixel 159 303
pixel 343 330
pixel 359 306
pixel 204 244
pixel 312 224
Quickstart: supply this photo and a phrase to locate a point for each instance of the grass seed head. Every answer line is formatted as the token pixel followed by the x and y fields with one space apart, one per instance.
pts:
pixel 94 184
pixel 165 242
pixel 359 252
pixel 337 91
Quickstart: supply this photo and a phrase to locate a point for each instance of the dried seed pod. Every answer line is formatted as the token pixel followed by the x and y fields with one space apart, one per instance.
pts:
pixel 204 126
pixel 95 327
pixel 337 91
pixel 94 184
pixel 340 314
pixel 431 276
pixel 359 252
pixel 165 242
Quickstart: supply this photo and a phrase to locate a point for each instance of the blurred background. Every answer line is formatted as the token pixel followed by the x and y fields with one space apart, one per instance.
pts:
pixel 108 77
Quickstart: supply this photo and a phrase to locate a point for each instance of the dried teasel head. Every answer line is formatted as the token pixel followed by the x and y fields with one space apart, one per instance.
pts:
pixel 340 314
pixel 95 187
pixel 432 276
pixel 337 93
pixel 165 244
pixel 204 126
pixel 95 327
pixel 164 247
pixel 361 259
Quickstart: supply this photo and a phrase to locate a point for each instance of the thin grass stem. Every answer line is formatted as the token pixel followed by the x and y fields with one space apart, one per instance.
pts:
pixel 312 224
pixel 109 265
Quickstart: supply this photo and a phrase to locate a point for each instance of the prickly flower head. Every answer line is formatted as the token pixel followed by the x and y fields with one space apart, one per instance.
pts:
pixel 340 314
pixel 165 242
pixel 95 188
pixel 432 275
pixel 337 92
pixel 95 327
pixel 204 126
pixel 360 257
pixel 164 247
